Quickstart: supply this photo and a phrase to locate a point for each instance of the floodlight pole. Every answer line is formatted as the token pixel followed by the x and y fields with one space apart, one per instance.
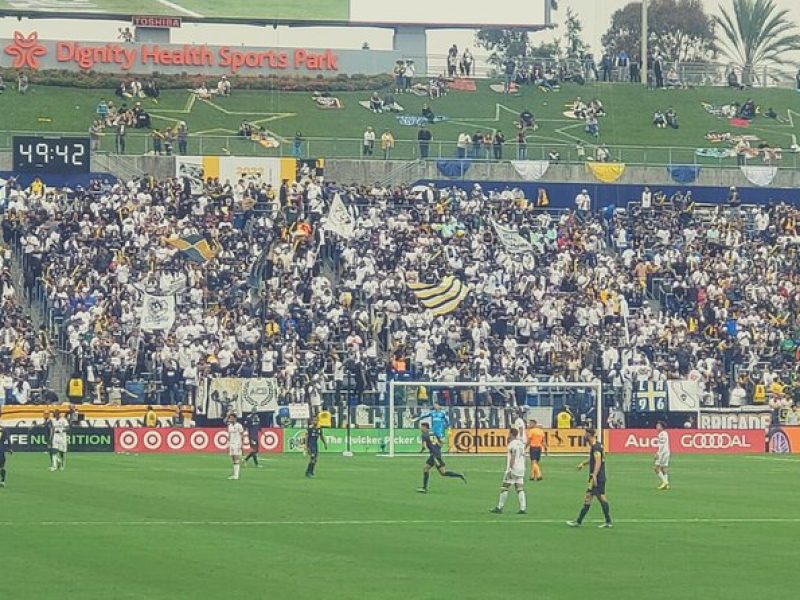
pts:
pixel 645 31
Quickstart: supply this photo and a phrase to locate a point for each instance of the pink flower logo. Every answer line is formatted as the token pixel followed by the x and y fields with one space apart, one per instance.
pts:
pixel 26 50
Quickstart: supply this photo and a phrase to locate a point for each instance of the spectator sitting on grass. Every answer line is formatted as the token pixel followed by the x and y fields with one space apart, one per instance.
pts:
pixel 151 89
pixel 673 80
pixel 245 129
pixel 748 110
pixel 771 114
pixel 428 113
pixel 596 106
pixel 375 103
pixel 527 119
pixel 672 118
pixel 602 154
pixel 579 108
pixel 224 86
pixel 659 120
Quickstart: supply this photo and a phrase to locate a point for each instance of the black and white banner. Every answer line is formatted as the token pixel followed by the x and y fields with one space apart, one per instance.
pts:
pixel 158 312
pixel 222 395
pixel 735 418
pixel 339 220
pixel 513 241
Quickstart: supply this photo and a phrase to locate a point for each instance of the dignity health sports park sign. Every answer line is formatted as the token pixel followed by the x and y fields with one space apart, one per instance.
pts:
pixel 27 51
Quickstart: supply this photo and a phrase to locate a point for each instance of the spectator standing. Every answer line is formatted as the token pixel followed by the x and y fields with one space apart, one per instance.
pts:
pixel 297 145
pixel 605 66
pixel 410 73
pixel 658 70
pixel 497 144
pixel 424 137
pixel 462 144
pixel 522 144
pixel 467 61
pixel 368 148
pixel 509 67
pixel 182 137
pixel 122 131
pixel 387 143
pixel 623 66
pixel 583 204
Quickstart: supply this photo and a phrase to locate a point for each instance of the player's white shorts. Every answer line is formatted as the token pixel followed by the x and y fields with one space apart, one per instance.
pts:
pixel 511 479
pixel 662 460
pixel 60 443
pixel 235 451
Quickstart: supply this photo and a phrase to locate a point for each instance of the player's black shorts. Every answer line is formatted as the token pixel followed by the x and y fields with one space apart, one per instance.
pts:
pixel 599 489
pixel 536 454
pixel 254 443
pixel 313 453
pixel 435 460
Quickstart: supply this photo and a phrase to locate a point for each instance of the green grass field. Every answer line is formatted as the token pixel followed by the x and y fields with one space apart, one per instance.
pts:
pixel 338 10
pixel 114 526
pixel 628 124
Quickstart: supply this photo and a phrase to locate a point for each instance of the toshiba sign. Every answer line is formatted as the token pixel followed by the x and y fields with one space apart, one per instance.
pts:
pixel 688 441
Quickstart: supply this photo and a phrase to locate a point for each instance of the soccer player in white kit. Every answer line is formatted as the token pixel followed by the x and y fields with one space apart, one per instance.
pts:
pixel 58 442
pixel 235 443
pixel 514 475
pixel 661 465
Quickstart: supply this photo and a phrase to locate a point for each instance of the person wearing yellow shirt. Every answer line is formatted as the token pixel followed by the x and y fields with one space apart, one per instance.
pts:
pixel 387 144
pixel 150 417
pixel 564 419
pixel 537 441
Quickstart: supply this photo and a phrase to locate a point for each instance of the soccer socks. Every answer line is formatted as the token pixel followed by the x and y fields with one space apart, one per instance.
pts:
pixel 663 478
pixel 606 511
pixel 53 460
pixel 584 512
pixel 501 501
pixel 236 467
pixel 2 475
pixel 523 500
pixel 453 474
pixel 255 458
pixel 536 472
pixel 425 477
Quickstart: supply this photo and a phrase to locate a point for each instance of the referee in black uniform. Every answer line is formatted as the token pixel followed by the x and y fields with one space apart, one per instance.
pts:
pixel 597 481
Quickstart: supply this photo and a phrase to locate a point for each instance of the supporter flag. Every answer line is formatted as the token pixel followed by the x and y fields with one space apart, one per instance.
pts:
pixel 339 220
pixel 3 183
pixel 158 312
pixel 513 242
pixel 195 248
pixel 442 298
pixel 258 271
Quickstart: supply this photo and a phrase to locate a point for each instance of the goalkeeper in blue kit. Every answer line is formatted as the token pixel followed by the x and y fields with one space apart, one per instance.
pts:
pixel 439 421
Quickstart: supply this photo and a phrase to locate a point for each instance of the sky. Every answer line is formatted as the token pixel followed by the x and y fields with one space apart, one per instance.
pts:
pixel 595 15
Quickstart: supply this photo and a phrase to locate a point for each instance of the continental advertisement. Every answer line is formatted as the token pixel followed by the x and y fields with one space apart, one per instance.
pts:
pixel 492 441
pixel 361 440
pixel 785 440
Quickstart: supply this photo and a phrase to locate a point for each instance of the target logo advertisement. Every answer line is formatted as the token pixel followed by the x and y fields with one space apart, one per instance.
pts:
pixel 185 441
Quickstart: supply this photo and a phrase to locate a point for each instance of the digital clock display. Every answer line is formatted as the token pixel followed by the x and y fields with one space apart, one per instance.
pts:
pixel 36 154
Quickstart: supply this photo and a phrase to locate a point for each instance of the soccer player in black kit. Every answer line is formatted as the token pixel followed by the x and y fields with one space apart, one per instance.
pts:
pixel 5 447
pixel 313 438
pixel 433 445
pixel 597 481
pixel 253 426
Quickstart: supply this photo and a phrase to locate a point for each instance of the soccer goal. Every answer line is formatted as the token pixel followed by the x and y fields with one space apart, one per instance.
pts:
pixel 480 413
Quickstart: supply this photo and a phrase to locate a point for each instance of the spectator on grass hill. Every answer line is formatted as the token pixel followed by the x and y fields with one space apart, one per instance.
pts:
pixel 23 84
pixel 410 73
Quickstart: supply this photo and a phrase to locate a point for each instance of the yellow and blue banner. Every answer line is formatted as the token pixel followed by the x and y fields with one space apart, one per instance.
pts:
pixel 195 247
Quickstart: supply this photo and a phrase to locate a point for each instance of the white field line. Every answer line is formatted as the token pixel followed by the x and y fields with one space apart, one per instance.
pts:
pixel 367 522
pixel 180 8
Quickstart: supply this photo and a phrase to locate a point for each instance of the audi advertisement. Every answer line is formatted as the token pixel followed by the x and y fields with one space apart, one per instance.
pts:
pixel 184 441
pixel 688 441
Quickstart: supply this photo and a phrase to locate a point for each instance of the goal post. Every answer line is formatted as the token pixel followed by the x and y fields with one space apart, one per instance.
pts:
pixel 530 395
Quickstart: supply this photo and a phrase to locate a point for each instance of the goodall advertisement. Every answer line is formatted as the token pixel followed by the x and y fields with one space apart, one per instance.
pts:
pixel 688 441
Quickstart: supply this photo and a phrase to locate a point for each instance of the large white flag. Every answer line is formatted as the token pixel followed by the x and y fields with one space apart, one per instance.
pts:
pixel 158 312
pixel 339 220
pixel 513 242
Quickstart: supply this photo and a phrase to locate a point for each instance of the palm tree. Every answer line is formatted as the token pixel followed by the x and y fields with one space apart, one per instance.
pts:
pixel 757 35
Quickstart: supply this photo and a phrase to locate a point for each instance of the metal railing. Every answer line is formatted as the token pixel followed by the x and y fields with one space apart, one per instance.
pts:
pixel 352 148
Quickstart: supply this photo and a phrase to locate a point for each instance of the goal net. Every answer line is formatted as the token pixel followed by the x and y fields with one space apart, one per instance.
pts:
pixel 479 414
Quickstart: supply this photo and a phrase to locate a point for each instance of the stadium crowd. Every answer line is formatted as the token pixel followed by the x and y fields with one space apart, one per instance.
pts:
pixel 334 311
